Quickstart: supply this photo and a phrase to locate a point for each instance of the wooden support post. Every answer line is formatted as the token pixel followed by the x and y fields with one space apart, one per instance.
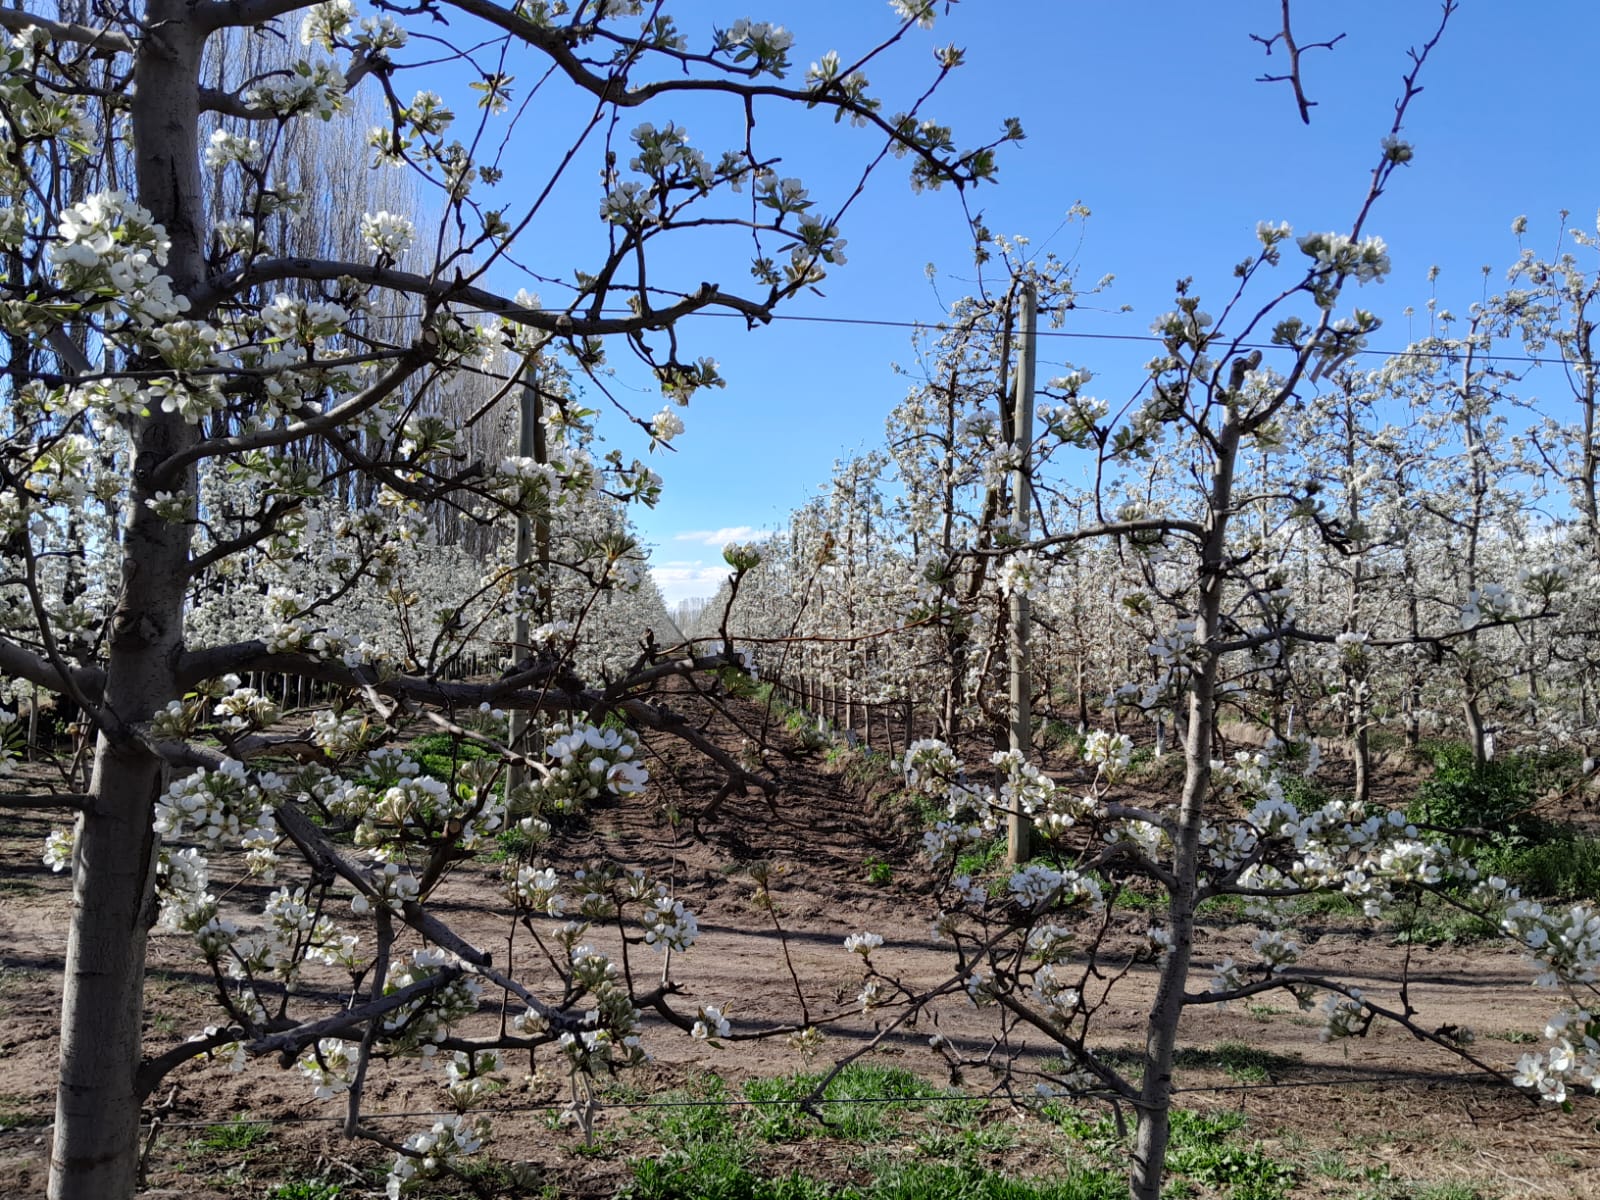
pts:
pixel 528 415
pixel 1021 679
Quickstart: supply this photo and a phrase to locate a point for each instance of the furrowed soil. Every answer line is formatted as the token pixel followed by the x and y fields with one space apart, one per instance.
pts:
pixel 838 852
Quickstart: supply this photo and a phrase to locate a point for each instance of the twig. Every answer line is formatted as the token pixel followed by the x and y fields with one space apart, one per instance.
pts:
pixel 1294 50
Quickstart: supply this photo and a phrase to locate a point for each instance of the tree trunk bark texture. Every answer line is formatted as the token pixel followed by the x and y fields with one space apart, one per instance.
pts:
pixel 95 1151
pixel 1166 1010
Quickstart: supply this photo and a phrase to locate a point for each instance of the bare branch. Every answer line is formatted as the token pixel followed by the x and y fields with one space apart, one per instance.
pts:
pixel 450 291
pixel 102 39
pixel 1294 50
pixel 73 801
pixel 35 668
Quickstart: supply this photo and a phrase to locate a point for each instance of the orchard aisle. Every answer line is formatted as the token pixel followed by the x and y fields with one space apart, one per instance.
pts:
pixel 1394 1104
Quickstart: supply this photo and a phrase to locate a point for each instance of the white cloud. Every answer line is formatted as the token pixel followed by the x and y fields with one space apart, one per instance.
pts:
pixel 718 538
pixel 681 581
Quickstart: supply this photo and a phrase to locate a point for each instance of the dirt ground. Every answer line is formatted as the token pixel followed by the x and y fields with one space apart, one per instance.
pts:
pixel 1387 1104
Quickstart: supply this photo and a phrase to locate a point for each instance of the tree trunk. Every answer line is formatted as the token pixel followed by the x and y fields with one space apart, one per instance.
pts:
pixel 1361 754
pixel 1161 1032
pixel 1477 735
pixel 96 1148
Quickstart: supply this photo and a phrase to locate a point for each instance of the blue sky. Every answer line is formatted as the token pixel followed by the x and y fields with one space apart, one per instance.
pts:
pixel 1151 116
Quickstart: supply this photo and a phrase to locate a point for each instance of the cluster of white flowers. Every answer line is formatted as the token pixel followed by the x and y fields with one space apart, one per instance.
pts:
pixel 863 943
pixel 1226 976
pixel 394 887
pixel 1276 950
pixel 668 924
pixel 1059 997
pixel 946 839
pixel 1034 885
pixel 1564 945
pixel 538 889
pixel 930 767
pixel 710 1024
pixel 419 1026
pixel 329 1066
pixel 210 806
pixel 874 991
pixel 245 708
pixel 1110 752
pixel 317 88
pixel 1158 940
pixel 227 147
pixel 612 1036
pixel 390 234
pixel 666 154
pixel 1338 258
pixel 764 43
pixel 626 204
pixel 920 11
pixel 1572 1058
pixel 1021 574
pixel 470 1077
pixel 426 1155
pixel 589 759
pixel 304 323
pixel 666 425
pixel 1344 1016
pixel 1049 943
pixel 418 806
pixel 182 879
pixel 111 245
pixel 327 22
pixel 58 844
pixel 340 733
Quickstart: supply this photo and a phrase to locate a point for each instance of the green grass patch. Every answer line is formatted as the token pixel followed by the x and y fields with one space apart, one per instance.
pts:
pixel 948 1181
pixel 238 1134
pixel 1196 1130
pixel 306 1189
pixel 982 857
pixel 1434 923
pixel 722 1176
pixel 1239 1061
pixel 850 1110
pixel 441 754
pixel 17 1112
pixel 1561 866
pixel 513 844
pixel 1246 1172
pixel 713 1152
pixel 1495 797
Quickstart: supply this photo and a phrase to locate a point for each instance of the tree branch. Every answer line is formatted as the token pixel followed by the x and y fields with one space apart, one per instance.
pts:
pixel 1294 50
pixel 35 668
pixel 73 801
pixel 105 40
pixel 563 324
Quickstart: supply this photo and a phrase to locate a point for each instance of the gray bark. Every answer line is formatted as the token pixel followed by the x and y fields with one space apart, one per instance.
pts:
pixel 1161 1031
pixel 96 1147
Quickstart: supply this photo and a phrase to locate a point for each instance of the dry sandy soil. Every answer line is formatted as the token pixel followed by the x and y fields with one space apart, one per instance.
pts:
pixel 1386 1104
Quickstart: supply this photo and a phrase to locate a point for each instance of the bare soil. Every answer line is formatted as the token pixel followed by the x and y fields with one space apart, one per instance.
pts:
pixel 1385 1105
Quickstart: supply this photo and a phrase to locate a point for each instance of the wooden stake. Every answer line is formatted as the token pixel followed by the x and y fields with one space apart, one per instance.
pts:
pixel 1022 512
pixel 527 430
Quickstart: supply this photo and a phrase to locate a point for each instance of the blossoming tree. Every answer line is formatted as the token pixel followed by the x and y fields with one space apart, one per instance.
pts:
pixel 1224 535
pixel 201 403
